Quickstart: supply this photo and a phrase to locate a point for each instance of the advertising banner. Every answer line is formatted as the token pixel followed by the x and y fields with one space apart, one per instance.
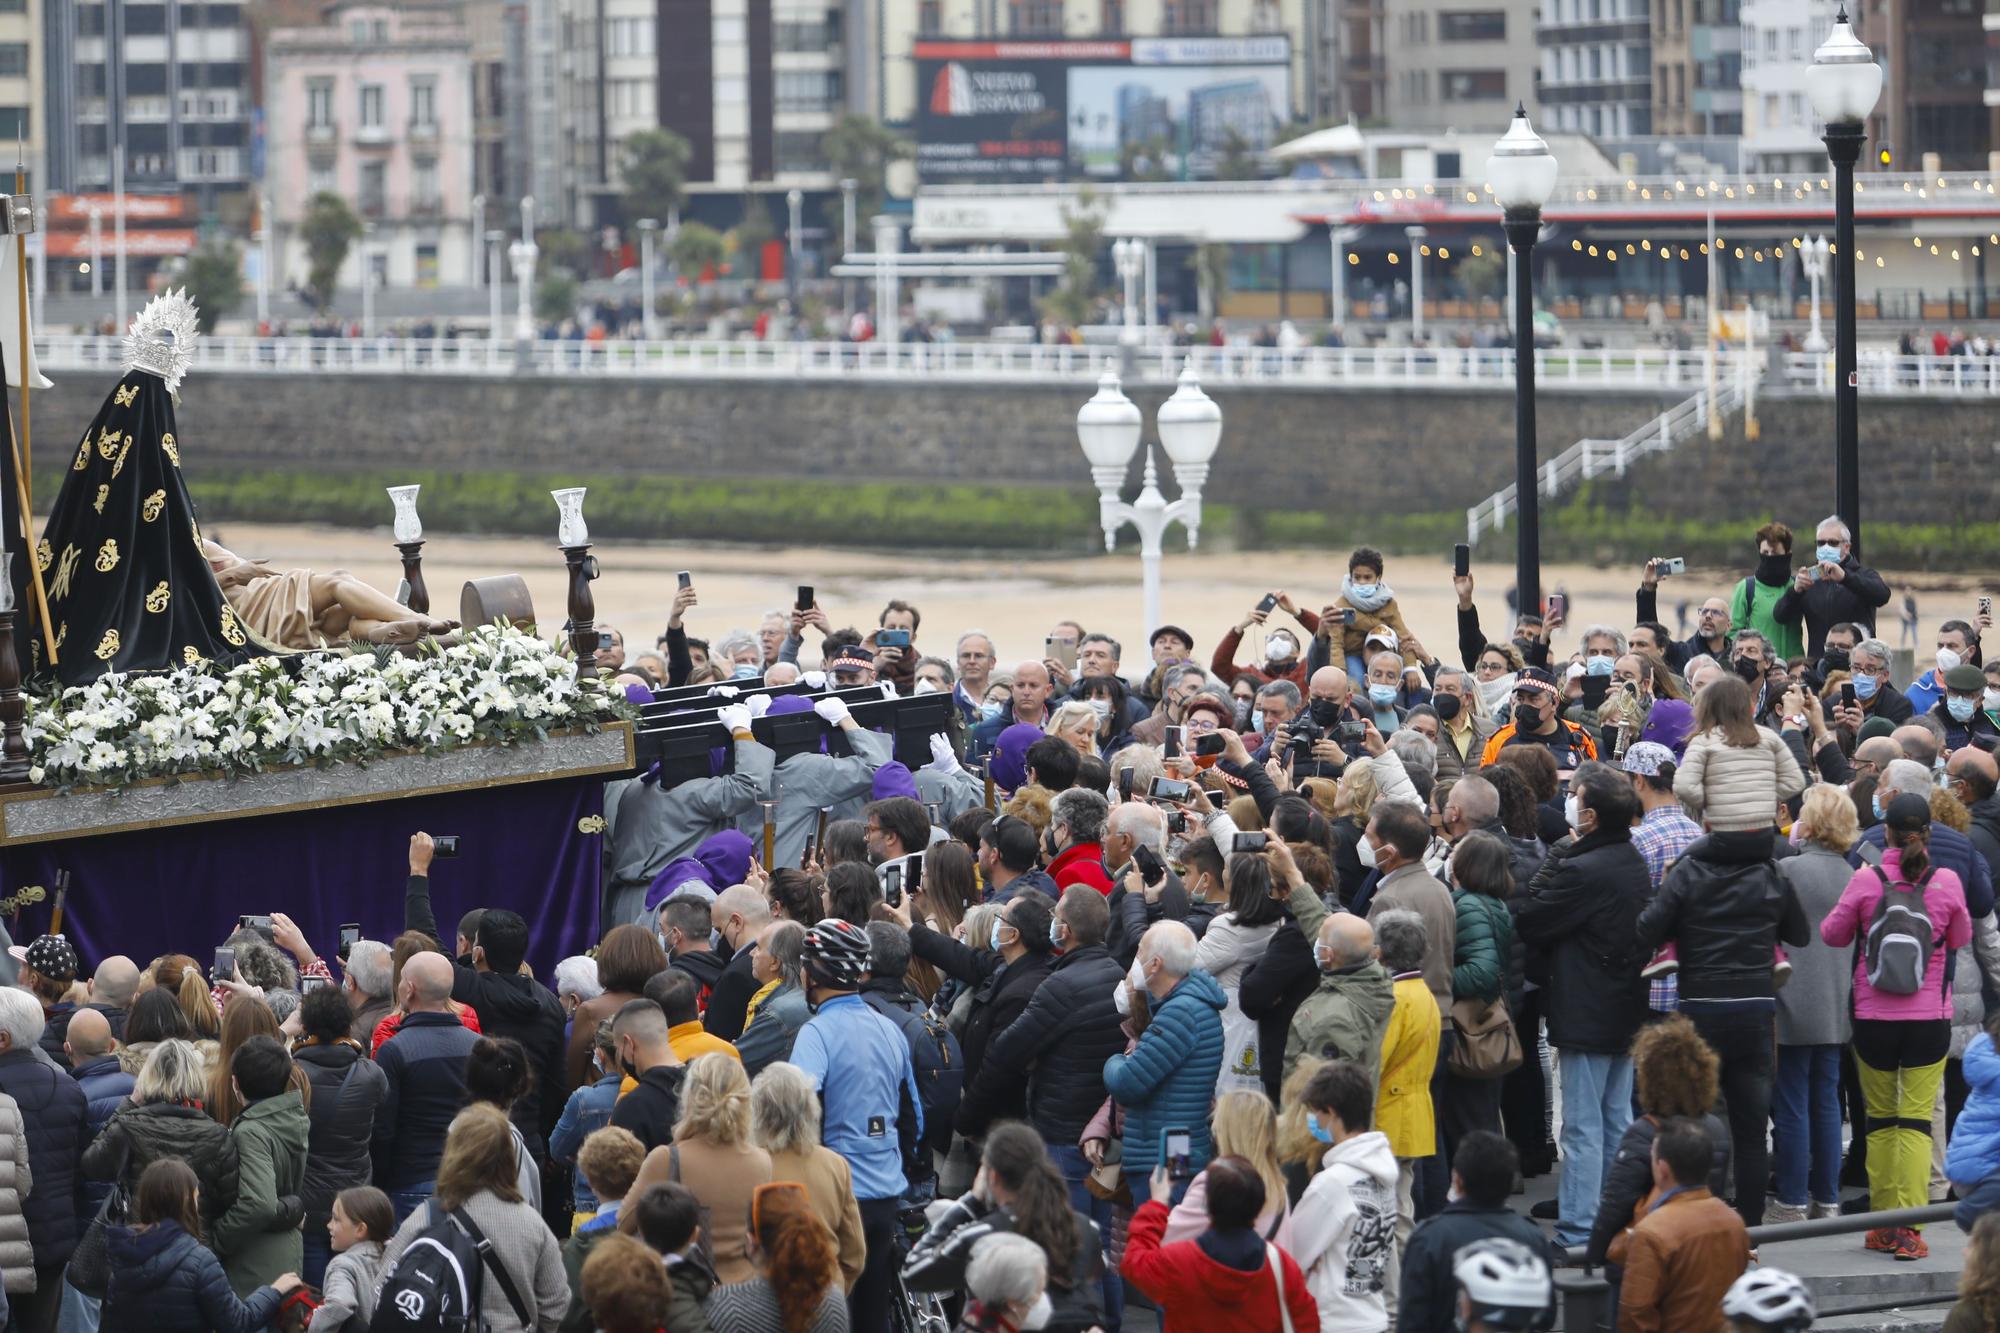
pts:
pixel 1167 108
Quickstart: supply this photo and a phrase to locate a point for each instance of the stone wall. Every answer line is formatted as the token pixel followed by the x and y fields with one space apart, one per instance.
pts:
pixel 1391 451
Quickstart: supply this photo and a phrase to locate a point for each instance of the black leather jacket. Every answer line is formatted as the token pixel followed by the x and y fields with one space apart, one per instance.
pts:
pixel 1727 906
pixel 1579 910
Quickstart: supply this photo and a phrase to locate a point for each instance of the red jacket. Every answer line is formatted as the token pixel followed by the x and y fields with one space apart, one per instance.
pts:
pixel 1081 864
pixel 1193 1291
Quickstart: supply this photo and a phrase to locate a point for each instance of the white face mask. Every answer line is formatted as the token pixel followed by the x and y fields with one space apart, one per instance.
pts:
pixel 1992 697
pixel 1366 851
pixel 1039 1313
pixel 1947 659
pixel 1279 647
pixel 1121 999
pixel 1572 811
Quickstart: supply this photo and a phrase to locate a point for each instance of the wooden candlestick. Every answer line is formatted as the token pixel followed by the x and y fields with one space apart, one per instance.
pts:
pixel 582 606
pixel 419 599
pixel 13 707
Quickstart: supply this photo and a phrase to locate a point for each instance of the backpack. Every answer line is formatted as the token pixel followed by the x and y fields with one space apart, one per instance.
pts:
pixel 939 1062
pixel 1900 938
pixel 435 1285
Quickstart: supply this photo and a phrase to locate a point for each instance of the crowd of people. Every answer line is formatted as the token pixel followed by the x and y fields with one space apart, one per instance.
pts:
pixel 1249 987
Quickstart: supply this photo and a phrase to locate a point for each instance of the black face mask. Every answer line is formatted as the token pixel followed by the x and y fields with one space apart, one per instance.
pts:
pixel 1325 712
pixel 1447 706
pixel 1833 660
pixel 1774 571
pixel 1527 716
pixel 1595 688
pixel 1749 668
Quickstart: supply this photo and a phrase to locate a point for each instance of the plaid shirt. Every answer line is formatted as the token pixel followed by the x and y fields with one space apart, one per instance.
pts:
pixel 1661 837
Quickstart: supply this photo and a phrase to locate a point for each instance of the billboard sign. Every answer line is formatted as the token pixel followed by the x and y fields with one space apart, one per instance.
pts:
pixel 1172 108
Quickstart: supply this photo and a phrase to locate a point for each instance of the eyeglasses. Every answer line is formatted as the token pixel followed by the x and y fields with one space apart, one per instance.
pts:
pixel 1491 669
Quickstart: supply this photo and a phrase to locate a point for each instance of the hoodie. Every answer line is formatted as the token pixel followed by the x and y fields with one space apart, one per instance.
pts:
pixel 1010 755
pixel 891 780
pixel 1344 1233
pixel 1222 1280
pixel 1345 1019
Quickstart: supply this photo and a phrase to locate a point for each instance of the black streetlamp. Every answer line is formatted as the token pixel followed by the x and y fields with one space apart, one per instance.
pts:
pixel 1522 175
pixel 1844 81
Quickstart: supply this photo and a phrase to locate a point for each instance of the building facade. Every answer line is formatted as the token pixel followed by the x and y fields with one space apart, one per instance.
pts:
pixel 1934 91
pixel 1597 67
pixel 376 106
pixel 22 68
pixel 1780 136
pixel 168 84
pixel 1459 64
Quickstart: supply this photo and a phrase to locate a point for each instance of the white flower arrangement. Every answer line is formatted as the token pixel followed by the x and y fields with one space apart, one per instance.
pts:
pixel 499 686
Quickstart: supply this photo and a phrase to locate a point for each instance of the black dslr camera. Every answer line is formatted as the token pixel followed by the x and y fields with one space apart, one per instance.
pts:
pixel 1304 731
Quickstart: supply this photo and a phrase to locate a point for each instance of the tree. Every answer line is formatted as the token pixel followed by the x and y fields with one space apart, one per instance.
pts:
pixel 555 296
pixel 329 230
pixel 654 166
pixel 214 281
pixel 1073 301
pixel 697 248
pixel 748 237
pixel 1145 161
pixel 1239 161
pixel 861 150
pixel 1211 271
pixel 1482 274
pixel 563 249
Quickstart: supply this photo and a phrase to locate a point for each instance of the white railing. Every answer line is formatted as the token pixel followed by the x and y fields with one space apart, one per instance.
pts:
pixel 1594 458
pixel 1885 373
pixel 1442 367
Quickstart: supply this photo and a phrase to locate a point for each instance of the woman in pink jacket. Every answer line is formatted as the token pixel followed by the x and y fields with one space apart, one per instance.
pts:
pixel 1902 1023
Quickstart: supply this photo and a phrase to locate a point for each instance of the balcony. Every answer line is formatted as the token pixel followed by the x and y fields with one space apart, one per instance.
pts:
pixel 423 134
pixel 372 136
pixel 322 133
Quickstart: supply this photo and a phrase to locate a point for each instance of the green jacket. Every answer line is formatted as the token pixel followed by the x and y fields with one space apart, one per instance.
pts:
pixel 1344 1019
pixel 1756 604
pixel 574 1251
pixel 689 1283
pixel 258 1239
pixel 1485 938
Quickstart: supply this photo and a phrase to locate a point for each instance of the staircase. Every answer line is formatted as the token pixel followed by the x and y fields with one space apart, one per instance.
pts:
pixel 1594 458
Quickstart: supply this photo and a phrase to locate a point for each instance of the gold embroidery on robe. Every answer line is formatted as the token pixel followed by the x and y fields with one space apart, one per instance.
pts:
pixel 103 494
pixel 65 572
pixel 82 455
pixel 107 556
pixel 156 600
pixel 127 395
pixel 107 647
pixel 44 555
pixel 119 466
pixel 155 502
pixel 191 656
pixel 591 824
pixel 173 450
pixel 107 441
pixel 230 629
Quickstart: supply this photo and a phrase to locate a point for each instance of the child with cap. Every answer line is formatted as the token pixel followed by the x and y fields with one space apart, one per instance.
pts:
pixel 48 970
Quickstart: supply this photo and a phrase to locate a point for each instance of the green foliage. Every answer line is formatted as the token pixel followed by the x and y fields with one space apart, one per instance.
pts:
pixel 654 165
pixel 328 229
pixel 1239 160
pixel 555 296
pixel 563 249
pixel 695 248
pixel 1145 161
pixel 214 280
pixel 860 149
pixel 750 234
pixel 1073 301
pixel 1483 274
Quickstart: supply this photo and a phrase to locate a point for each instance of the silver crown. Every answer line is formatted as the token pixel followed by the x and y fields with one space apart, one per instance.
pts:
pixel 161 341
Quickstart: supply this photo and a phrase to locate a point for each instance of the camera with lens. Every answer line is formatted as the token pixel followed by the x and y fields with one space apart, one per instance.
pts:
pixel 1304 731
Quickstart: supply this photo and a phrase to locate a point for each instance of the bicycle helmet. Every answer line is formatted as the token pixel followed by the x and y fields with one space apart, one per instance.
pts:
pixel 1506 1283
pixel 836 953
pixel 1771 1299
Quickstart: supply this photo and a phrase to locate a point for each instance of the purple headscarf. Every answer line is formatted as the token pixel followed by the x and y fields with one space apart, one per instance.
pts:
pixel 726 858
pixel 1670 723
pixel 678 874
pixel 635 693
pixel 893 779
pixel 1010 755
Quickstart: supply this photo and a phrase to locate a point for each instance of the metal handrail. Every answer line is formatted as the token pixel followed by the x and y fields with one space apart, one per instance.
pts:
pixel 1776 1233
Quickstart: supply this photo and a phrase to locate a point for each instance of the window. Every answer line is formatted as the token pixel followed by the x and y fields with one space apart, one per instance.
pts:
pixel 13 59
pixel 930 23
pixel 1473 25
pixel 13 122
pixel 1474 85
pixel 1188 17
pixel 799 151
pixel 424 187
pixel 727 30
pixel 1039 18
pixel 806 89
pixel 21 7
pixel 371 106
pixel 1112 17
pixel 792 35
pixel 319 104
pixel 423 102
pixel 321 180
pixel 374 188
pixel 1596 63
pixel 733 91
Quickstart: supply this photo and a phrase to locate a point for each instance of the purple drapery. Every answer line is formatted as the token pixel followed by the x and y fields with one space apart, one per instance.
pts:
pixel 180 889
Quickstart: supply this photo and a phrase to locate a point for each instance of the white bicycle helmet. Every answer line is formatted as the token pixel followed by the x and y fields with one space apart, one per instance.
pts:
pixel 1506 1283
pixel 1772 1299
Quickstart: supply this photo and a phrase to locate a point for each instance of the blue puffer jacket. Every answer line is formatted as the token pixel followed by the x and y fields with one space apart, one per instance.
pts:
pixel 105 1086
pixel 1974 1151
pixel 165 1281
pixel 53 1107
pixel 1168 1079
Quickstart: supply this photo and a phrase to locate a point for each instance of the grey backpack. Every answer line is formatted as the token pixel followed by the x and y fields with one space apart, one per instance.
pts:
pixel 1900 938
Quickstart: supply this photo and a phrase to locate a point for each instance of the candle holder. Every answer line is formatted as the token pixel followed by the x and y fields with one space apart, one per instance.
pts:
pixel 574 537
pixel 13 706
pixel 410 541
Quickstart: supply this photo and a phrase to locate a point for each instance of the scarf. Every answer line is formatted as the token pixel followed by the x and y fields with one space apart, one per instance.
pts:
pixel 1498 691
pixel 1372 602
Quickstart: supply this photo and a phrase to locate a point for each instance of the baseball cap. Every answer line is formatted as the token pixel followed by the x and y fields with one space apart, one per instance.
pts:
pixel 1646 757
pixel 1383 635
pixel 50 955
pixel 1908 813
pixel 1175 630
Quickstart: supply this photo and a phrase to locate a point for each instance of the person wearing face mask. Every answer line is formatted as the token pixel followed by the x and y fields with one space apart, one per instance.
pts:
pixel 646 1053
pixel 1385 691
pixel 1343 1230
pixel 1582 911
pixel 1534 722
pixel 777 961
pixel 1875 695
pixel 1957 645
pixel 1347 1015
pixel 1167 1080
pixel 1018 1194
pixel 1227 1277
pixel 1365 605
pixel 1754 604
pixel 1465 723
pixel 1281 657
pixel 1960 709
pixel 1834 588
pixel 1007 1286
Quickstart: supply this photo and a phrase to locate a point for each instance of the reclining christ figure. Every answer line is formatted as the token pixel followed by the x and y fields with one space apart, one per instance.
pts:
pixel 305 608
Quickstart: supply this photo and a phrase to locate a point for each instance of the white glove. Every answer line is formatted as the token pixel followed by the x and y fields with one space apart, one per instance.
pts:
pixel 759 705
pixel 924 686
pixel 888 688
pixel 833 710
pixel 734 716
pixel 813 680
pixel 723 691
pixel 943 759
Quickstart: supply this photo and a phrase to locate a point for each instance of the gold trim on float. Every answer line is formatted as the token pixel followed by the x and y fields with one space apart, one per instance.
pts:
pixel 628 761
